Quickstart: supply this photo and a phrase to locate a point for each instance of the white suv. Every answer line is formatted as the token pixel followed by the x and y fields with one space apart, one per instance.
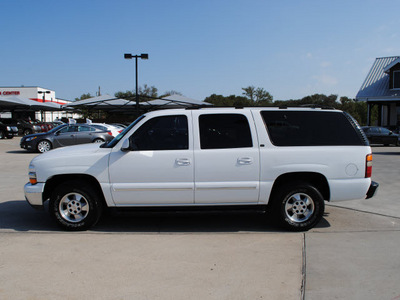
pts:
pixel 284 160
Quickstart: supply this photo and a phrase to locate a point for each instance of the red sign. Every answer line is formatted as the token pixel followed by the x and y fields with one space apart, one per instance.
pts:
pixel 9 93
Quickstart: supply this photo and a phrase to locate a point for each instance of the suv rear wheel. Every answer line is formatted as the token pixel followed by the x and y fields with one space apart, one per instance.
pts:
pixel 298 206
pixel 75 206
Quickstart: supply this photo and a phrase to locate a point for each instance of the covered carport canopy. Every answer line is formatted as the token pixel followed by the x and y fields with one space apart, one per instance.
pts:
pixel 113 104
pixel 14 103
pixel 104 102
pixel 174 101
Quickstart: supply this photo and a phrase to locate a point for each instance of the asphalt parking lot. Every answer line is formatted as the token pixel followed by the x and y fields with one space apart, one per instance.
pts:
pixel 352 254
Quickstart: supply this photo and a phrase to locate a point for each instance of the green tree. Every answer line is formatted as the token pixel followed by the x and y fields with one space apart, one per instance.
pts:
pixel 358 109
pixel 169 93
pixel 128 95
pixel 258 95
pixel 249 92
pixel 145 93
pixel 232 100
pixel 148 91
pixel 84 96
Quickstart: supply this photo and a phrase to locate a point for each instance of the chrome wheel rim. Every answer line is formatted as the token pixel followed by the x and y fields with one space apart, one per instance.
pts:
pixel 98 141
pixel 74 207
pixel 43 147
pixel 299 207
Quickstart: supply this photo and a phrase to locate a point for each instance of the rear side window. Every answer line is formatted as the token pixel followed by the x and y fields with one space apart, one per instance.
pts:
pixel 310 128
pixel 85 128
pixel 221 131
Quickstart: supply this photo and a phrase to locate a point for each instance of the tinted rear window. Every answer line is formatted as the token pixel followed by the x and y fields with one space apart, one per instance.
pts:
pixel 224 131
pixel 310 128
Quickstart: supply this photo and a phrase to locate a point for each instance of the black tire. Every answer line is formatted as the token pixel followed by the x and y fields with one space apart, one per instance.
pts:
pixel 98 141
pixel 1 134
pixel 75 206
pixel 9 137
pixel 298 206
pixel 44 146
pixel 27 131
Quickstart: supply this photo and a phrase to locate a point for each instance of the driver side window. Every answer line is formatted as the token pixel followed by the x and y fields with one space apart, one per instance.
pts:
pixel 162 133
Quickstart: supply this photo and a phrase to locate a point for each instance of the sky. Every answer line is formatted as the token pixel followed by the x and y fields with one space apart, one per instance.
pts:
pixel 291 48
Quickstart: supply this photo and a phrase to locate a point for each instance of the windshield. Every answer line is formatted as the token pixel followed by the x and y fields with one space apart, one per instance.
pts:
pixel 114 141
pixel 56 128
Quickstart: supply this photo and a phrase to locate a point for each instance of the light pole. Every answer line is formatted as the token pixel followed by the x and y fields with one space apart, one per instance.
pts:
pixel 142 56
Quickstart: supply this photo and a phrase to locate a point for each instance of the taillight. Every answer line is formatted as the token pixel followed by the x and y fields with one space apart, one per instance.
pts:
pixel 109 132
pixel 368 166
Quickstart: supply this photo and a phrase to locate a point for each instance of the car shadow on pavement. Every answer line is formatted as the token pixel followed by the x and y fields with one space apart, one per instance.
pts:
pixel 186 222
pixel 19 152
pixel 385 153
pixel 19 216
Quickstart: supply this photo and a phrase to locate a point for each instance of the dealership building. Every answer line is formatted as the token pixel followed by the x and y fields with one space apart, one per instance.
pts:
pixel 38 94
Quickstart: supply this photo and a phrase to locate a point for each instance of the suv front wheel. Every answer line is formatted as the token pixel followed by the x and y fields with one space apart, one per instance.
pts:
pixel 75 206
pixel 298 206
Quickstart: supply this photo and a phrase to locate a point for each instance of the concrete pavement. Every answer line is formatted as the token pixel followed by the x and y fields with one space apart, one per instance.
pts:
pixel 352 254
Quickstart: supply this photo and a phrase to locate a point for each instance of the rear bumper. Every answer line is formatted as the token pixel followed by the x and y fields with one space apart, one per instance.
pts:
pixel 373 188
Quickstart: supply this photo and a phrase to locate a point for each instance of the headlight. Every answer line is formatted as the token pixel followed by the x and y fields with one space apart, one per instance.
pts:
pixel 30 138
pixel 37 127
pixel 8 128
pixel 32 174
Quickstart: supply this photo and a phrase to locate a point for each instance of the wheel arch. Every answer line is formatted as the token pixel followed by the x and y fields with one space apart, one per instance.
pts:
pixel 318 180
pixel 55 181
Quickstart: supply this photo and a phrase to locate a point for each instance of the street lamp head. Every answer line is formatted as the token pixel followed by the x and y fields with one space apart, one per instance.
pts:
pixel 130 56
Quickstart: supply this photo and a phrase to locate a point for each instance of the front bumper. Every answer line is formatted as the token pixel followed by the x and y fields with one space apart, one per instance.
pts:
pixel 27 146
pixel 11 133
pixel 373 188
pixel 34 194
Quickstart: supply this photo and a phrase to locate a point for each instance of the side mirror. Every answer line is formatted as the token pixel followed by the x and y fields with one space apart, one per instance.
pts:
pixel 125 146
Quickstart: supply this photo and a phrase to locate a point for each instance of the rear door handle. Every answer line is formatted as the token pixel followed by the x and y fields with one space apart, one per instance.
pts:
pixel 245 160
pixel 182 161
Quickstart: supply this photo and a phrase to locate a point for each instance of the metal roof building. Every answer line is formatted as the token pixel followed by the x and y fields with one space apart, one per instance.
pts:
pixel 381 87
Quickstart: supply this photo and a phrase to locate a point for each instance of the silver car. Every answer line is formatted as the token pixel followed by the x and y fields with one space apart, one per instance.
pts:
pixel 64 135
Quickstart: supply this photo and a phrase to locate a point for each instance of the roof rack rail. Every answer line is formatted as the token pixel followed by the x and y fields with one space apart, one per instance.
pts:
pixel 207 106
pixel 317 106
pixel 197 107
pixel 306 106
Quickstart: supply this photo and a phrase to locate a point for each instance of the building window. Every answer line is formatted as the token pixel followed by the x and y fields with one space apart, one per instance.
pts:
pixel 396 79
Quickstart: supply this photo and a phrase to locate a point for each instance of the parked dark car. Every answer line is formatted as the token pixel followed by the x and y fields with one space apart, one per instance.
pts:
pixel 8 131
pixel 381 135
pixel 64 135
pixel 24 127
pixel 44 126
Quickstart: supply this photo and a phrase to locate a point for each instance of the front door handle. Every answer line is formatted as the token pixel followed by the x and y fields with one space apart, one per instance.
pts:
pixel 182 161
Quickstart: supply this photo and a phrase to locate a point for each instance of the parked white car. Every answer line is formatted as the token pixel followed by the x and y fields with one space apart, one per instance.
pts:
pixel 115 130
pixel 284 160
